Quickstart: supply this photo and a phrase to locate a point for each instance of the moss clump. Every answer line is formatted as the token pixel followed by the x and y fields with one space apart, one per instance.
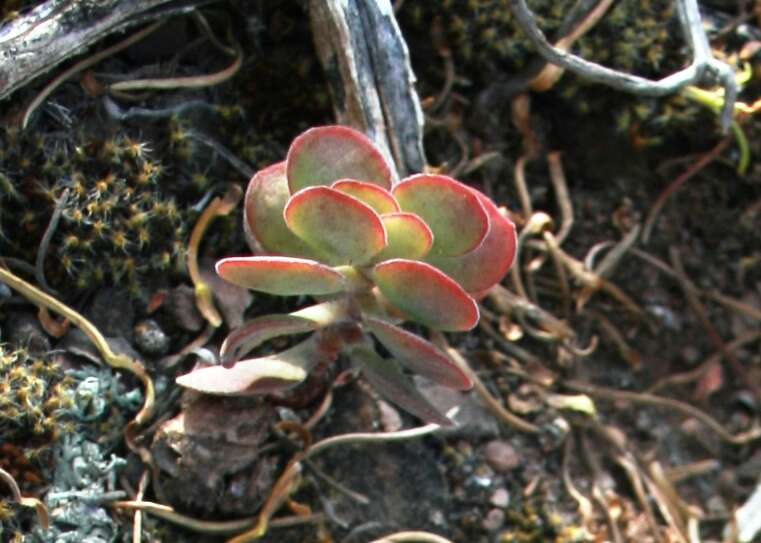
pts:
pixel 34 399
pixel 484 37
pixel 115 226
pixel 34 395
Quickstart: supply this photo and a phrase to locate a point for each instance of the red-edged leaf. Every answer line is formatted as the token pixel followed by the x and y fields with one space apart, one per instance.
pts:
pixel 408 237
pixel 258 375
pixel 452 210
pixel 419 355
pixel 281 275
pixel 387 379
pixel 244 339
pixel 486 265
pixel 263 220
pixel 373 195
pixel 426 295
pixel 326 154
pixel 337 225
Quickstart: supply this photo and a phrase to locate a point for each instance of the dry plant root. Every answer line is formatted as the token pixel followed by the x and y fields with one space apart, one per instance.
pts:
pixel 217 207
pixel 25 501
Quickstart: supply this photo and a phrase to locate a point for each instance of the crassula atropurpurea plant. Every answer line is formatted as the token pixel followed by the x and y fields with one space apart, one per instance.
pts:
pixel 328 222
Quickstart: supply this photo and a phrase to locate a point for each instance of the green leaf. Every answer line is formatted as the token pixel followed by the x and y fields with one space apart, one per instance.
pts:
pixel 426 295
pixel 419 355
pixel 323 155
pixel 408 237
pixel 486 265
pixel 263 220
pixel 374 196
pixel 387 379
pixel 281 275
pixel 451 210
pixel 337 225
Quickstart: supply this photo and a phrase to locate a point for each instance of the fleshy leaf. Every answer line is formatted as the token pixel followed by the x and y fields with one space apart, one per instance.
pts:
pixel 452 211
pixel 337 225
pixel 258 375
pixel 486 265
pixel 371 194
pixel 426 295
pixel 408 237
pixel 258 330
pixel 419 355
pixel 326 154
pixel 263 220
pixel 281 275
pixel 387 379
pixel 244 339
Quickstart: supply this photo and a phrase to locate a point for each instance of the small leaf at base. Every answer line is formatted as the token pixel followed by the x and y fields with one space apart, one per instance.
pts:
pixel 419 355
pixel 388 380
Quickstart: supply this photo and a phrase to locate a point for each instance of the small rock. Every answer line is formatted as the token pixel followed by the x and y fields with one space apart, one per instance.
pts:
pixel 716 505
pixel 482 477
pixel 472 420
pixel 502 456
pixel 24 330
pixel 112 312
pixel 150 338
pixel 390 419
pixel 500 498
pixel 181 305
pixel 493 520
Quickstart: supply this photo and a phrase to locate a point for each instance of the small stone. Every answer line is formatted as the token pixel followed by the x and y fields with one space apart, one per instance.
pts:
pixel 23 329
pixel 181 305
pixel 390 419
pixel 150 338
pixel 500 498
pixel 472 420
pixel 493 520
pixel 502 456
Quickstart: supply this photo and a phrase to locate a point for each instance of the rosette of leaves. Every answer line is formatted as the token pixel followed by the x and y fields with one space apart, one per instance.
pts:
pixel 328 222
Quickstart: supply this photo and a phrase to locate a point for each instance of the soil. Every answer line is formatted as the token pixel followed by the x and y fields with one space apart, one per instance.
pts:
pixel 686 347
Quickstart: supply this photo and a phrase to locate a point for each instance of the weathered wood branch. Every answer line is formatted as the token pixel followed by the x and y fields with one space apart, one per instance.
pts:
pixel 370 77
pixel 57 30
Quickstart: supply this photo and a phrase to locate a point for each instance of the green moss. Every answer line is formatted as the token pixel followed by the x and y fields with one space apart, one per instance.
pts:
pixel 115 225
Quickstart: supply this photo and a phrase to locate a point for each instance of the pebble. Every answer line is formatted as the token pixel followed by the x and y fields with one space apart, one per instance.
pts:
pixel 500 498
pixel 502 456
pixel 493 520
pixel 150 338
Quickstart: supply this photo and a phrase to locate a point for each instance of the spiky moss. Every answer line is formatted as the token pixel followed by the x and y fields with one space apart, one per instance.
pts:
pixel 115 224
pixel 33 395
pixel 34 398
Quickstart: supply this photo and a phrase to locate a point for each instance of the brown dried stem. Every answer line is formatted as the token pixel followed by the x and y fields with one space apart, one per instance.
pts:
pixel 666 403
pixel 702 315
pixel 37 505
pixel 691 171
pixel 217 207
pixel 491 402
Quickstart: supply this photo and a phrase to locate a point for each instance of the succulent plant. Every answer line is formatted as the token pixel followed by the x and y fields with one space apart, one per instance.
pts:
pixel 328 222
